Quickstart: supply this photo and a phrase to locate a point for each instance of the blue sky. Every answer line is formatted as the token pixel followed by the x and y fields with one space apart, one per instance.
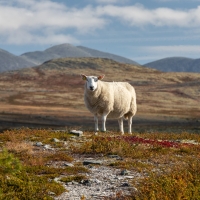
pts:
pixel 143 31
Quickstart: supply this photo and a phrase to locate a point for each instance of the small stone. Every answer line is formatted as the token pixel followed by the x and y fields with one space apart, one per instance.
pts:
pixel 77 133
pixel 115 156
pixel 97 181
pixel 74 183
pixel 86 183
pixel 125 185
pixel 130 177
pixel 48 147
pixel 124 172
pixel 38 144
pixel 68 164
pixel 94 162
pixel 56 140
pixel 51 193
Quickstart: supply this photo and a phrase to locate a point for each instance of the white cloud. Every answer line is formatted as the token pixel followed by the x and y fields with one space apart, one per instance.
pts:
pixel 108 1
pixel 140 16
pixel 32 17
pixel 111 1
pixel 23 37
pixel 42 20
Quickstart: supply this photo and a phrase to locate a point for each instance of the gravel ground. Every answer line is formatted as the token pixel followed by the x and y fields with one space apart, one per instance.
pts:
pixel 103 182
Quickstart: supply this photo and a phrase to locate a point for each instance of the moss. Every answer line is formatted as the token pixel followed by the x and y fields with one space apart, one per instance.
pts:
pixel 77 178
pixel 181 183
pixel 19 183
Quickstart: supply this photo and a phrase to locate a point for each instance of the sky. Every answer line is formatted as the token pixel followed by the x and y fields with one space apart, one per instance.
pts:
pixel 143 31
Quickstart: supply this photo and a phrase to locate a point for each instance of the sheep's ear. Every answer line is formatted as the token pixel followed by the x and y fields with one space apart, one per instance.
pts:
pixel 84 77
pixel 101 77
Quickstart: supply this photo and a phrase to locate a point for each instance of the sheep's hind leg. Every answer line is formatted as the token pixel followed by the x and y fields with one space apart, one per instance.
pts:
pixel 96 123
pixel 121 126
pixel 104 117
pixel 130 124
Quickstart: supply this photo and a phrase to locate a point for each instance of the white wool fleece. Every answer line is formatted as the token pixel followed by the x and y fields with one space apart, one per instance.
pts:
pixel 112 99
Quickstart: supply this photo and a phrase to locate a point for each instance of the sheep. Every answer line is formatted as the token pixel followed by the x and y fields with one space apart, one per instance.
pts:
pixel 110 99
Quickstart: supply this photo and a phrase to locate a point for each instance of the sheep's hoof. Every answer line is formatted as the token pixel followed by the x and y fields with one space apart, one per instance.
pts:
pixel 122 133
pixel 96 133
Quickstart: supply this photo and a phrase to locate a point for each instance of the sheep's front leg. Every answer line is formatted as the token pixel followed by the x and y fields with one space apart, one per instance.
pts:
pixel 130 125
pixel 121 126
pixel 104 117
pixel 96 123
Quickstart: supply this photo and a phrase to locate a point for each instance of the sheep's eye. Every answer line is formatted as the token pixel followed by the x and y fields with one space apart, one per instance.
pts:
pixel 95 79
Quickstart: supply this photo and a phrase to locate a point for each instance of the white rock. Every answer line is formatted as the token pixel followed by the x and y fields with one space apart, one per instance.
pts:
pixel 77 133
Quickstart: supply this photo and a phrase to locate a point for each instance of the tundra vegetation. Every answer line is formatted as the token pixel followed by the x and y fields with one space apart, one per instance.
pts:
pixel 164 146
pixel 169 162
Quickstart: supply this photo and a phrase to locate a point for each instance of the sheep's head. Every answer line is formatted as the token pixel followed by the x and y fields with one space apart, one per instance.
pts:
pixel 92 81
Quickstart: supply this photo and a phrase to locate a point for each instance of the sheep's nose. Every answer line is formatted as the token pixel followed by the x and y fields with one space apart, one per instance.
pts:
pixel 91 87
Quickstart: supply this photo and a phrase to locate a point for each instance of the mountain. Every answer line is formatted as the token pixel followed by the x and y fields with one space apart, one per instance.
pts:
pixel 100 54
pixel 68 50
pixel 58 51
pixel 11 62
pixel 176 64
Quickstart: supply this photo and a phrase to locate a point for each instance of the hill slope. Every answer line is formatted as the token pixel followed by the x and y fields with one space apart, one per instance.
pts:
pixel 176 64
pixel 11 62
pixel 53 92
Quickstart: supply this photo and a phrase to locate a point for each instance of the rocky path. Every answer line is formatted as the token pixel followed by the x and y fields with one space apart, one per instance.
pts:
pixel 102 182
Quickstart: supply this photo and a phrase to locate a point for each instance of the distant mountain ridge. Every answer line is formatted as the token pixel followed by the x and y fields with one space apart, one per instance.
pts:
pixel 100 54
pixel 70 51
pixel 9 61
pixel 176 64
pixel 30 59
pixel 58 51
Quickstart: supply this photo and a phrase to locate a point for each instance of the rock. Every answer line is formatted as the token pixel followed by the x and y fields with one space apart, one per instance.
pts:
pixel 86 183
pixel 38 144
pixel 94 162
pixel 48 147
pixel 96 133
pixel 74 183
pixel 115 156
pixel 97 181
pixel 77 133
pixel 51 193
pixel 125 185
pixel 130 177
pixel 124 172
pixel 68 164
pixel 56 140
pixel 57 131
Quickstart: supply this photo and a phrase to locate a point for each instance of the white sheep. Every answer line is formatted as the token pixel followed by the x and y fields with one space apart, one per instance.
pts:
pixel 112 99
